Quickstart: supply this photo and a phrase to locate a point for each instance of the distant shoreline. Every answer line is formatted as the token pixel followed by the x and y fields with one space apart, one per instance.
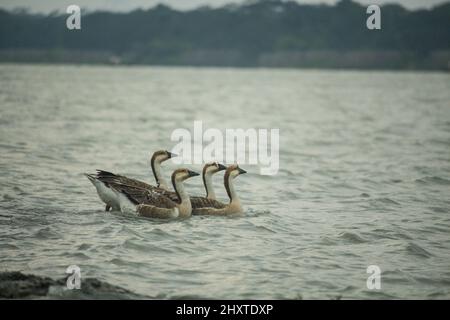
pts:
pixel 260 33
pixel 250 67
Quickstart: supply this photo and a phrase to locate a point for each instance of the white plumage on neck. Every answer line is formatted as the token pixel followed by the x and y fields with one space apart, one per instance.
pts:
pixel 209 186
pixel 234 198
pixel 185 201
pixel 162 183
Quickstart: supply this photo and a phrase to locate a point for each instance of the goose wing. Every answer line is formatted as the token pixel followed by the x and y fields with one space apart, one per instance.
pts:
pixel 111 178
pixel 148 203
pixel 144 196
pixel 151 211
pixel 114 179
pixel 202 202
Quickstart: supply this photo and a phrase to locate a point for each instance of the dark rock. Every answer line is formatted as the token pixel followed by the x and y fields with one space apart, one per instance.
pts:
pixel 16 285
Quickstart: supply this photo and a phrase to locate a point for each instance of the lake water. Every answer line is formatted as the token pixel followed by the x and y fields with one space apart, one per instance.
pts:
pixel 364 180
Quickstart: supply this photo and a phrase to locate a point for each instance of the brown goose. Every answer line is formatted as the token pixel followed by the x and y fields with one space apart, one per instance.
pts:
pixel 151 204
pixel 234 206
pixel 103 179
pixel 199 202
pixel 210 200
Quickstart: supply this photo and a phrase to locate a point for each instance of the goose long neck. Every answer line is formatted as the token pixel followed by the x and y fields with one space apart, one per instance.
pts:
pixel 229 187
pixel 207 182
pixel 178 186
pixel 156 169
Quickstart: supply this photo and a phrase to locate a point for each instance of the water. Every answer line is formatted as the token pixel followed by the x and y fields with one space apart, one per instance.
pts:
pixel 364 180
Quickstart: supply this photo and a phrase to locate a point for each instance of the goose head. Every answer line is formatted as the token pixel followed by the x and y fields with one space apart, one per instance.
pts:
pixel 208 170
pixel 180 175
pixel 212 167
pixel 161 156
pixel 233 171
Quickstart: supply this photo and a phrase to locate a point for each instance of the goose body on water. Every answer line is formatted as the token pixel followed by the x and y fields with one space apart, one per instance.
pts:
pixel 200 202
pixel 210 200
pixel 234 206
pixel 103 180
pixel 148 203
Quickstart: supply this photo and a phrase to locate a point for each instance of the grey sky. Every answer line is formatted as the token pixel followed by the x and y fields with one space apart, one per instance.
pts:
pixel 127 5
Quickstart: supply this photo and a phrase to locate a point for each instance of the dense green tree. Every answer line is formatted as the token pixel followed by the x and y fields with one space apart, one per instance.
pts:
pixel 233 34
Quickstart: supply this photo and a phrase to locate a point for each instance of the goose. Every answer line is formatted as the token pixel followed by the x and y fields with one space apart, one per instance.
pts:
pixel 103 179
pixel 148 203
pixel 234 206
pixel 210 200
pixel 157 158
pixel 209 170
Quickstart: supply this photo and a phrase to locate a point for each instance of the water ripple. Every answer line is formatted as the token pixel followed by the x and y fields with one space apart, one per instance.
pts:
pixel 356 185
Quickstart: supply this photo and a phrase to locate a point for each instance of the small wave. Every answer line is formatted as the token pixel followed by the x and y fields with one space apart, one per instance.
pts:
pixel 7 198
pixel 417 250
pixel 130 244
pixel 373 294
pixel 266 229
pixel 390 234
pixel 251 212
pixel 160 232
pixel 352 237
pixel 433 180
pixel 75 255
pixel 84 246
pixel 14 147
pixel 106 230
pixel 441 294
pixel 384 201
pixel 286 172
pixel 444 142
pixel 143 246
pixel 327 241
pixel 7 246
pixel 47 233
pixel 439 210
pixel 348 289
pixel 127 263
pixel 402 235
pixel 128 230
pixel 438 281
pixel 397 276
pixel 188 297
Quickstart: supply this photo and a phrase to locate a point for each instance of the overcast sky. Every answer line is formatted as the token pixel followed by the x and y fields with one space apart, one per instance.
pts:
pixel 127 5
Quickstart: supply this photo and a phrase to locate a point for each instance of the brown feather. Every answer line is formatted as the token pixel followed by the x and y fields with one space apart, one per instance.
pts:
pixel 154 212
pixel 143 196
pixel 202 202
pixel 110 178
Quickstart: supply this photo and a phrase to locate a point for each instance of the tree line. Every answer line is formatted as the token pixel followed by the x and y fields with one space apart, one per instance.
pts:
pixel 256 33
